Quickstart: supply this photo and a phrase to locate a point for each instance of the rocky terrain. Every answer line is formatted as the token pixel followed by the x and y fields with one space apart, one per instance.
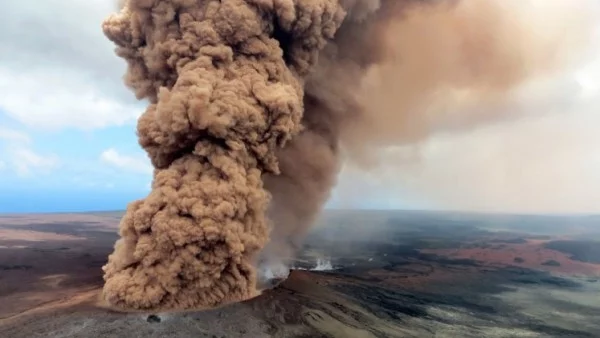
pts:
pixel 361 274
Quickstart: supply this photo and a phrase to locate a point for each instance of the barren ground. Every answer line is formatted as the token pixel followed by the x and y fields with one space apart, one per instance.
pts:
pixel 396 274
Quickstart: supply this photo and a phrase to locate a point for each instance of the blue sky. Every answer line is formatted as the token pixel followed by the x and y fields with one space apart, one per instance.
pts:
pixel 68 143
pixel 70 169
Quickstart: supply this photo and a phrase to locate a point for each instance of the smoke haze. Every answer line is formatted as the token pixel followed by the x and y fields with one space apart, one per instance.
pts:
pixel 255 104
pixel 539 155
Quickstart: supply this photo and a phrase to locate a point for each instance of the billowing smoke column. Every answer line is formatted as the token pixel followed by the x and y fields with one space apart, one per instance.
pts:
pixel 253 104
pixel 225 84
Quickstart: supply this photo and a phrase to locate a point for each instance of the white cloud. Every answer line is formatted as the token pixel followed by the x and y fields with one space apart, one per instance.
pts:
pixel 25 162
pixel 71 101
pixel 20 157
pixel 129 163
pixel 14 136
pixel 588 76
pixel 60 71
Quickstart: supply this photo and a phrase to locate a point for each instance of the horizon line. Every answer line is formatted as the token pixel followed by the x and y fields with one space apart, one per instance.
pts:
pixel 444 211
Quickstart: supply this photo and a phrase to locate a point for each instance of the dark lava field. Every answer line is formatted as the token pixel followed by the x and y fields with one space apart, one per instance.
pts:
pixel 360 274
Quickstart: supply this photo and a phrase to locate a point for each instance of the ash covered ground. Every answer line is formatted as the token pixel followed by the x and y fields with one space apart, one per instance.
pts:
pixel 414 274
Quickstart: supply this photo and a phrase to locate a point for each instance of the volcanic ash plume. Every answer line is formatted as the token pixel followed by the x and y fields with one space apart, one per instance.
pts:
pixel 250 104
pixel 224 96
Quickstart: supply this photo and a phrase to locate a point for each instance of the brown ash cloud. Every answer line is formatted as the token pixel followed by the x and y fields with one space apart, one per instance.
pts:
pixel 255 104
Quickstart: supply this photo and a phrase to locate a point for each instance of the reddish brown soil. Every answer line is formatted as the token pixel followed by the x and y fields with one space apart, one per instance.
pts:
pixel 33 236
pixel 51 260
pixel 532 253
